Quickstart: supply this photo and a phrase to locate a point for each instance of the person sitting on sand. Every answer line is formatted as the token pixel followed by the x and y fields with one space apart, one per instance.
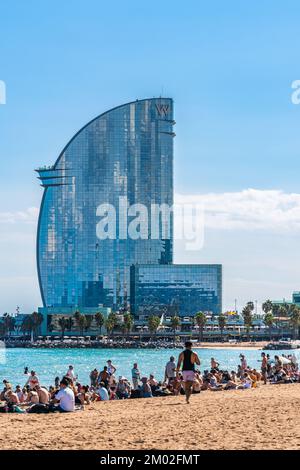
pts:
pixel 213 384
pixel 102 392
pixel 145 388
pixel 214 364
pixel 246 382
pixel 112 392
pixel 11 397
pixel 123 388
pixel 232 382
pixel 176 385
pixel 84 395
pixel 198 382
pixel 7 386
pixel 153 383
pixel 43 394
pixel 65 397
pixel 22 395
pixel 12 401
pixel 33 398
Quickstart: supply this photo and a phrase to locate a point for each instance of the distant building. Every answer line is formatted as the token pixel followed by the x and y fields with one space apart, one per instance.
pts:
pixel 124 155
pixel 177 289
pixel 296 298
pixel 126 152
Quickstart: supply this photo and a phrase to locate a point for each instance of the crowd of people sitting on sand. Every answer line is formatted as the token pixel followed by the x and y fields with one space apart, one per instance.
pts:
pixel 181 378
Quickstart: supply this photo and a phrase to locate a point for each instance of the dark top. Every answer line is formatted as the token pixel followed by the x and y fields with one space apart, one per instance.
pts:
pixel 187 363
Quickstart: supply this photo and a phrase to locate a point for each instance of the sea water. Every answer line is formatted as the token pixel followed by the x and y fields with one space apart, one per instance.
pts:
pixel 50 363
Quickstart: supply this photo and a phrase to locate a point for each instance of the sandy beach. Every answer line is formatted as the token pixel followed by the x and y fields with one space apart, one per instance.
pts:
pixel 263 418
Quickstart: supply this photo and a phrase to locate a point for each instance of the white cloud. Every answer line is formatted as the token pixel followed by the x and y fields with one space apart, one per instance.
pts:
pixel 250 209
pixel 29 215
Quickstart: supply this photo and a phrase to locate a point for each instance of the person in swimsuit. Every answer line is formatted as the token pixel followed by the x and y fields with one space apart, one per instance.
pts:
pixel 188 359
pixel 264 367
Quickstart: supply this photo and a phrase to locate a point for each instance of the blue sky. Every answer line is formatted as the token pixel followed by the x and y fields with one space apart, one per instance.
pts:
pixel 229 67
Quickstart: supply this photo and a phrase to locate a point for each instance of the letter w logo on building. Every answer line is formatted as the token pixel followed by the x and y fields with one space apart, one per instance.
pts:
pixel 162 109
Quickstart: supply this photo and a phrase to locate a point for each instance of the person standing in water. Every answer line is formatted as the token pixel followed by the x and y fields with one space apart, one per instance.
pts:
pixel 188 359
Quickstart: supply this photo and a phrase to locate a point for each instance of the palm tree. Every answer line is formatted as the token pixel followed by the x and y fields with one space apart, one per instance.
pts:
pixel 99 318
pixel 81 321
pixel 109 325
pixel 2 329
pixel 8 323
pixel 200 319
pixel 295 321
pixel 112 322
pixel 248 317
pixel 153 324
pixel 128 323
pixel 269 321
pixel 88 322
pixel 267 306
pixel 70 323
pixel 37 320
pixel 26 326
pixel 175 323
pixel 63 325
pixel 222 323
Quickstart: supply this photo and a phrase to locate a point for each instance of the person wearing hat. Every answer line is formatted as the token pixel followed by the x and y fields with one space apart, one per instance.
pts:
pixel 123 388
pixel 188 359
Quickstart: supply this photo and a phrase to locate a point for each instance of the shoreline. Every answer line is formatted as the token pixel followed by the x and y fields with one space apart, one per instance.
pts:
pixel 137 346
pixel 167 423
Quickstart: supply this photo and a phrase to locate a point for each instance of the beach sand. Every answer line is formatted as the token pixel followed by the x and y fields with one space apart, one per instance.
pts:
pixel 263 418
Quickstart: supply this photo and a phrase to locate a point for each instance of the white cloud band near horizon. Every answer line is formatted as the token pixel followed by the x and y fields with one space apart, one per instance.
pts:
pixel 249 209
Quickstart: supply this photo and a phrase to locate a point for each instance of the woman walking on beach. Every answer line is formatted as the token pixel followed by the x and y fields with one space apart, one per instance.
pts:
pixel 188 359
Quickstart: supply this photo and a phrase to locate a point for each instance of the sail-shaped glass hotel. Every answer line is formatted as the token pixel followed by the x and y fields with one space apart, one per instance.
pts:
pixel 127 153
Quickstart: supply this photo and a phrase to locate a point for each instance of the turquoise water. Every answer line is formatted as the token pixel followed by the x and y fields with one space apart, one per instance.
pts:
pixel 49 363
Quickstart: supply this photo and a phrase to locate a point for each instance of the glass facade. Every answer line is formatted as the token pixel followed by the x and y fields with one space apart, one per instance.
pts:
pixel 125 152
pixel 182 289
